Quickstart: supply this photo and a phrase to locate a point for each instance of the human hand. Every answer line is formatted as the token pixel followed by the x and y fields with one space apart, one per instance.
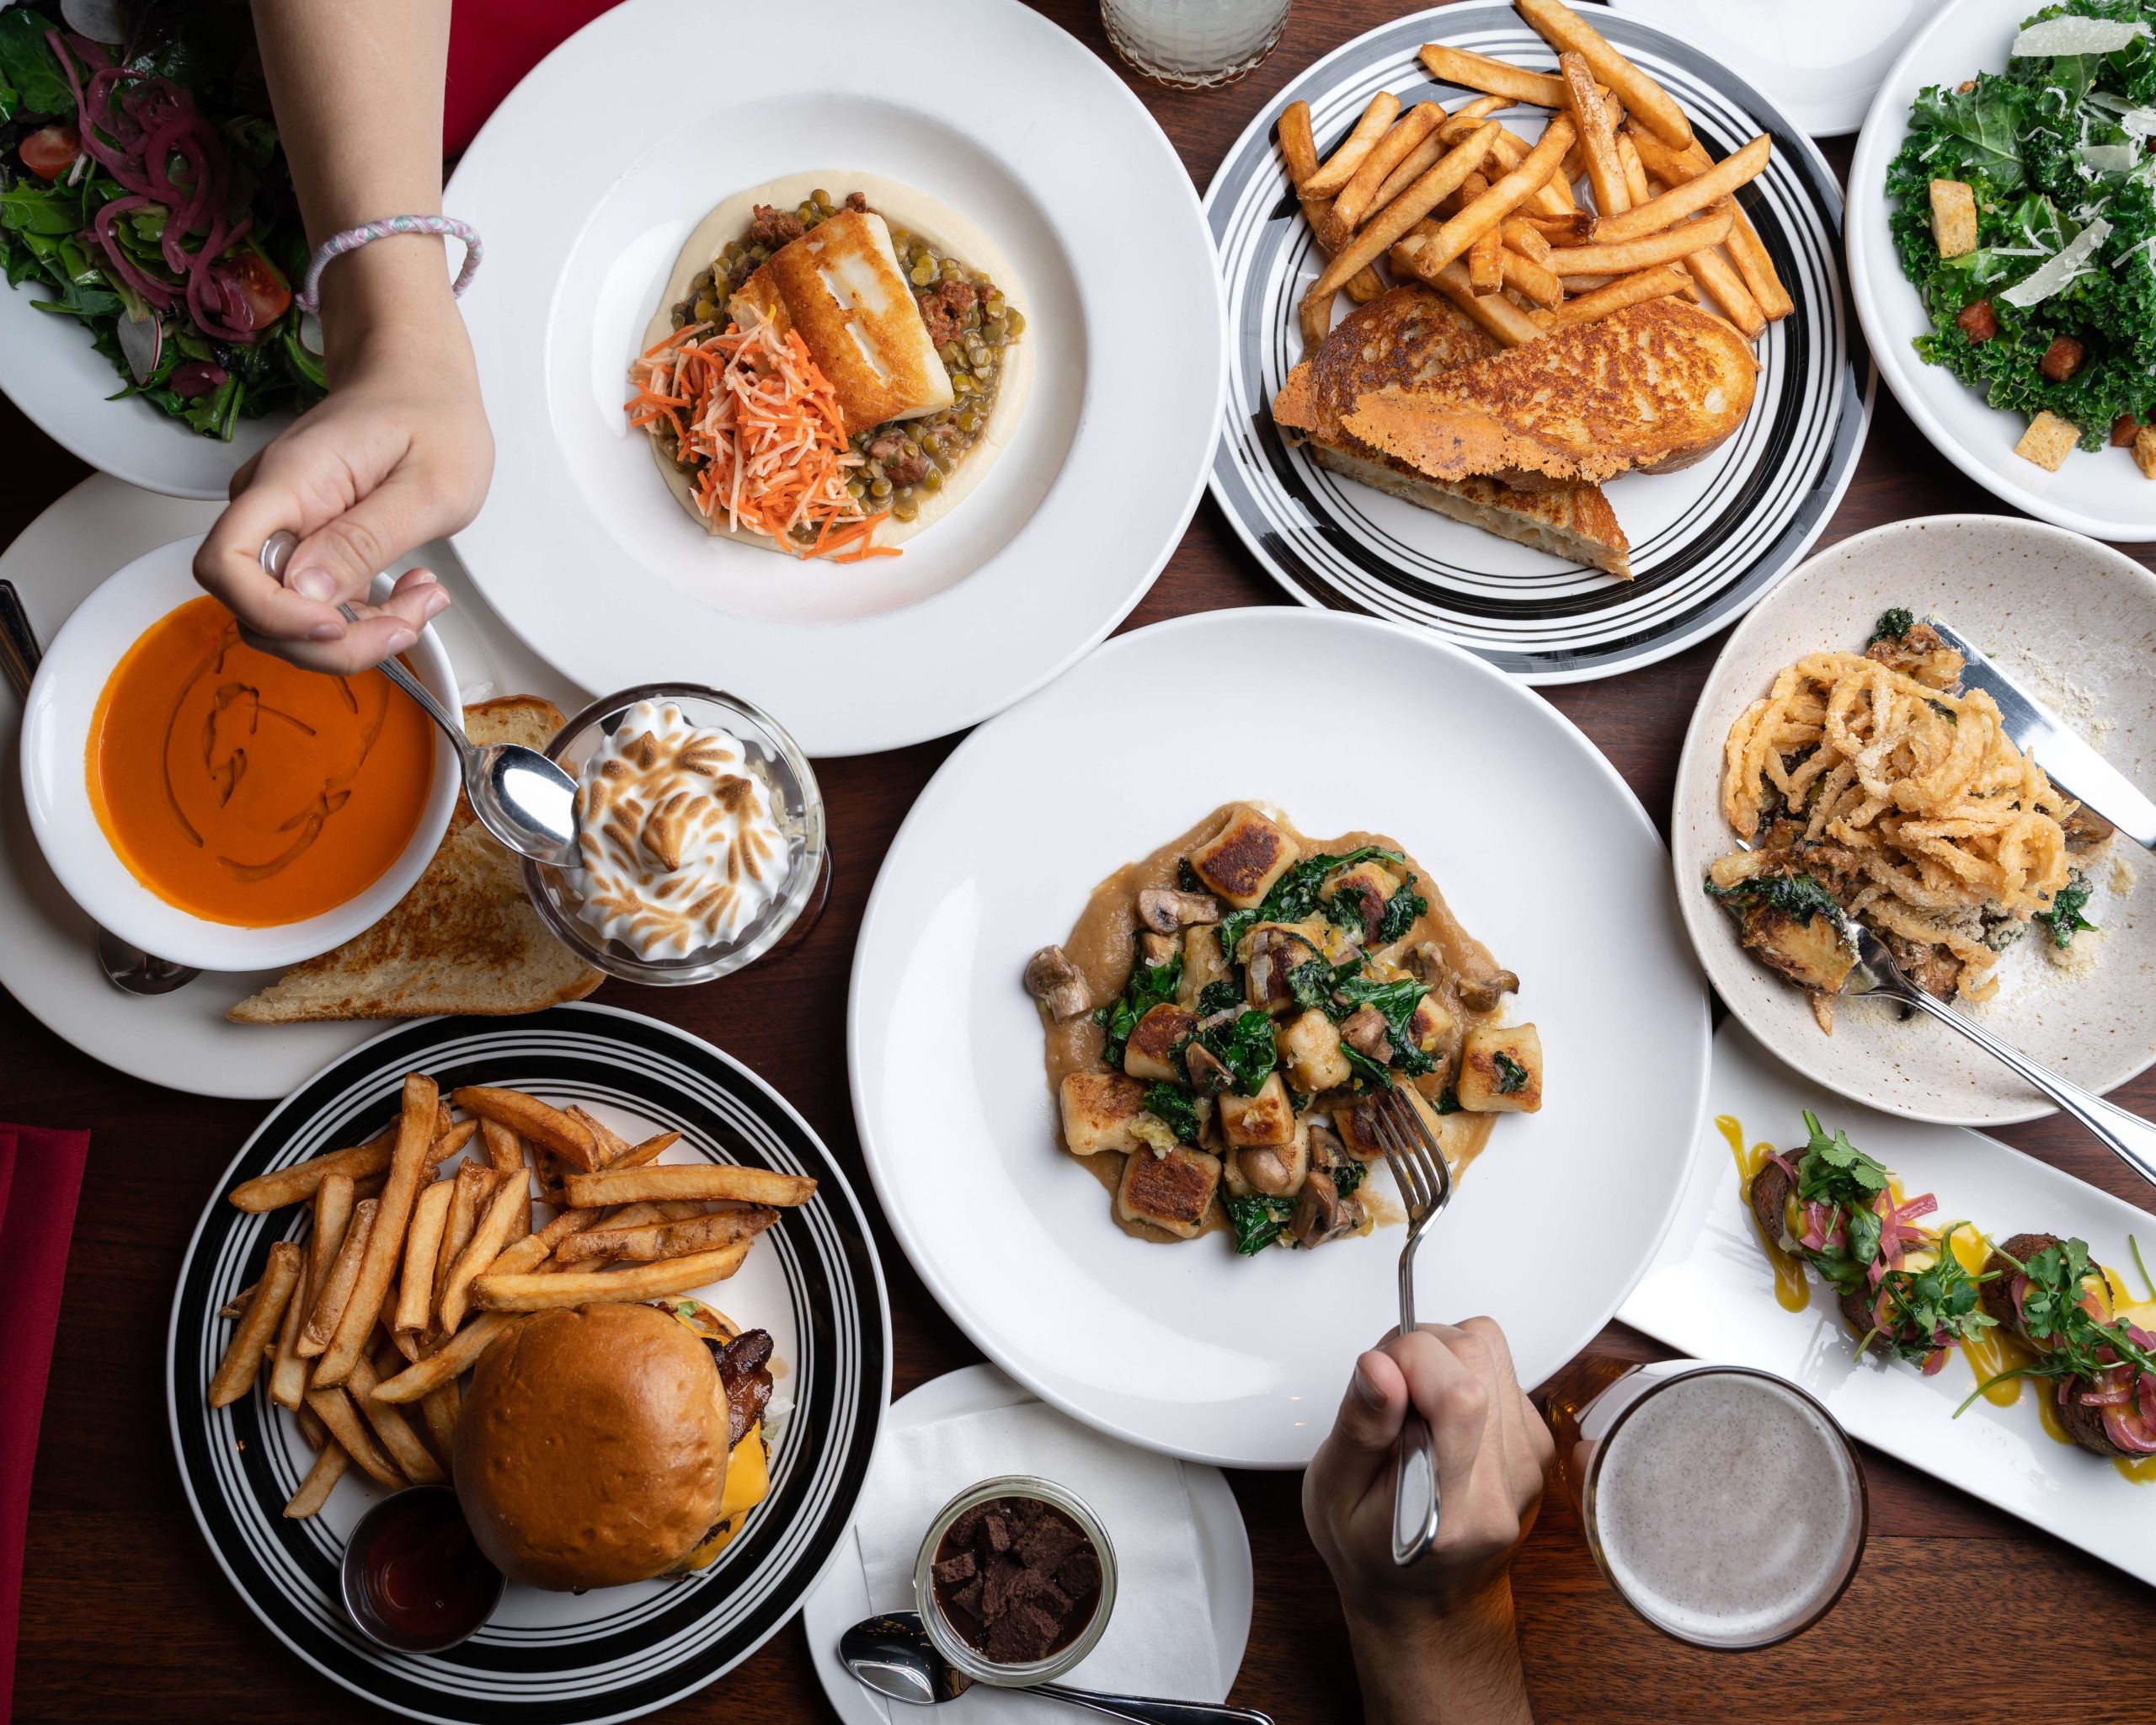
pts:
pixel 399 453
pixel 1494 1453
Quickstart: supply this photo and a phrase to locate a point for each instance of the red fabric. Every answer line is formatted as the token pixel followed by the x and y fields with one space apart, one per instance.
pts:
pixel 40 1174
pixel 492 45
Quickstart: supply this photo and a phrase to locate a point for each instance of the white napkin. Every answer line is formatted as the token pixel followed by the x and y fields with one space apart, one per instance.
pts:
pixel 1160 1639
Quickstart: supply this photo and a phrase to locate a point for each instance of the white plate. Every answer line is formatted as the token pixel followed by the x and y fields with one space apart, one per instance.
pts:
pixel 2075 622
pixel 551 1658
pixel 840 1599
pixel 1711 1293
pixel 1820 61
pixel 180 1040
pixel 50 371
pixel 2100 493
pixel 1537 846
pixel 582 548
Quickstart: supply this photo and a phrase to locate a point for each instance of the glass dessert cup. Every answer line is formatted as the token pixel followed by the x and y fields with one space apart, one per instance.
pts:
pixel 796 805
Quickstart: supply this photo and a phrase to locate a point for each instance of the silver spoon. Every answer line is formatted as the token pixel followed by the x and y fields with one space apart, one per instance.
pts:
pixel 127 967
pixel 520 797
pixel 2129 1137
pixel 894 1656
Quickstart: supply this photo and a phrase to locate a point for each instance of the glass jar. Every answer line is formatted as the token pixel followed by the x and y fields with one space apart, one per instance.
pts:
pixel 1193 44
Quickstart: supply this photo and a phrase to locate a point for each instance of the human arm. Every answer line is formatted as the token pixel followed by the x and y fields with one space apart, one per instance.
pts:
pixel 1434 1642
pixel 399 453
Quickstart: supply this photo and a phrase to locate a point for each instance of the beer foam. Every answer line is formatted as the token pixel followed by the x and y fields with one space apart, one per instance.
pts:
pixel 1725 1507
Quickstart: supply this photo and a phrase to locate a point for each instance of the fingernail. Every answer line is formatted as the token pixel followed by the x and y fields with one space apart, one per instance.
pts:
pixel 399 638
pixel 435 603
pixel 1366 1388
pixel 312 584
pixel 326 632
pixel 420 577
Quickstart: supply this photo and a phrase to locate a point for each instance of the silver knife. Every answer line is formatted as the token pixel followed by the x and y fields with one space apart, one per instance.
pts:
pixel 2073 767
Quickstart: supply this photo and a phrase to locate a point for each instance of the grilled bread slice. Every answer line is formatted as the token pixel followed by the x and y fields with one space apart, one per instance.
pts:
pixel 1411 337
pixel 840 287
pixel 1649 389
pixel 464 939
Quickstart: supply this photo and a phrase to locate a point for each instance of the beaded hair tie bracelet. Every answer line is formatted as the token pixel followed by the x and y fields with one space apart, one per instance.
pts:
pixel 352 238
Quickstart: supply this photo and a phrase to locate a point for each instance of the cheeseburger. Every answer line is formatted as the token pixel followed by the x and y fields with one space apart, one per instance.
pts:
pixel 613 1443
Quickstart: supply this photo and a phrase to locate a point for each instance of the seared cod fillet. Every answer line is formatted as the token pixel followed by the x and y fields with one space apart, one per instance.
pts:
pixel 1648 389
pixel 1409 339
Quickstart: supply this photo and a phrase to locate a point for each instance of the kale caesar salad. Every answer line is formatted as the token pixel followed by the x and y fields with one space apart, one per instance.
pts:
pixel 2023 207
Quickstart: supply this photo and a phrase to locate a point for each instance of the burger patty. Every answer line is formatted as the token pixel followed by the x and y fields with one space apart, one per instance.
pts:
pixel 744 1371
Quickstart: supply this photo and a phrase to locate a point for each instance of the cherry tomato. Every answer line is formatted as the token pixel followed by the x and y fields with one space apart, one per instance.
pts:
pixel 266 292
pixel 51 151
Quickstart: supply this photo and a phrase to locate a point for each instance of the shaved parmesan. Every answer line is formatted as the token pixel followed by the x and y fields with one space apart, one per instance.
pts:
pixel 2139 122
pixel 2075 34
pixel 2061 267
pixel 2111 158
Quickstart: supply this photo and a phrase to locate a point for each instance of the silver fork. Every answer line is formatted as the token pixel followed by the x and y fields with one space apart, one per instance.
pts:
pixel 1425 1183
pixel 2127 1136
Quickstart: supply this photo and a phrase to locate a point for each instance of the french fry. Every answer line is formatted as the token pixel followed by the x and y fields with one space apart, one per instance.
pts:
pixel 1526 239
pixel 447 1143
pixel 528 1253
pixel 442 1407
pixel 1484 269
pixel 334 1200
pixel 647 1281
pixel 334 1407
pixel 475 1185
pixel 273 1191
pixel 422 1248
pixel 1493 311
pixel 607 1142
pixel 1359 195
pixel 1489 210
pixel 446 1363
pixel 386 1247
pixel 649 1150
pixel 1605 173
pixel 1379 235
pixel 566 1136
pixel 703 1181
pixel 1679 201
pixel 1761 282
pixel 287 1369
pixel 257 1328
pixel 1478 71
pixel 1667 247
pixel 1719 278
pixel 505 1150
pixel 1626 290
pixel 485 1246
pixel 1575 229
pixel 643 1245
pixel 1298 154
pixel 320 1479
pixel 1562 27
pixel 238 1303
pixel 390 1425
pixel 1530 278
pixel 312 1432
pixel 1327 181
pixel 1425 154
pixel 1509 149
pixel 334 1291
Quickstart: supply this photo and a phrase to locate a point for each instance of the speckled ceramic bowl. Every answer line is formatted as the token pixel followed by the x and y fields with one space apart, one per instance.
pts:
pixel 2075 622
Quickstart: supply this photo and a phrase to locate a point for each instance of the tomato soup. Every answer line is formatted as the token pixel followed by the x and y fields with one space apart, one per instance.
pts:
pixel 244 789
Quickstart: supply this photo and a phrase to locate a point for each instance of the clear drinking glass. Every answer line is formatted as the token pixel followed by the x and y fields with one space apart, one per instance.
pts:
pixel 1724 1505
pixel 1192 45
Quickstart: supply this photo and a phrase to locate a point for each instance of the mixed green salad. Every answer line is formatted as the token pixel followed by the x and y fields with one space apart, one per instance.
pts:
pixel 143 192
pixel 2052 306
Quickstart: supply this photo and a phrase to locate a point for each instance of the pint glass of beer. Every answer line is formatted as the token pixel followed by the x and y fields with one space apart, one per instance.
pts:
pixel 1723 1505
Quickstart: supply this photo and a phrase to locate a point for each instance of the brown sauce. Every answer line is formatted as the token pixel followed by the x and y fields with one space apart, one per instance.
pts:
pixel 1101 944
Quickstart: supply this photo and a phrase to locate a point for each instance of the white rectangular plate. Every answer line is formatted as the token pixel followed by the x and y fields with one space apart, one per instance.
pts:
pixel 1709 1293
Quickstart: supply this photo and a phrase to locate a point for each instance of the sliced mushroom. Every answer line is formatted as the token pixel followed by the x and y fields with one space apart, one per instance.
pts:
pixel 1481 992
pixel 1268 1170
pixel 1164 911
pixel 1321 1214
pixel 1208 1073
pixel 1157 948
pixel 1326 1152
pixel 1365 1031
pixel 1056 983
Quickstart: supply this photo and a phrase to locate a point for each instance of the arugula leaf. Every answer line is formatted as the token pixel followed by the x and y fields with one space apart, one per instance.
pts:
pixel 1512 1076
pixel 1176 1107
pixel 28 68
pixel 2064 919
pixel 1245 1048
pixel 1150 985
pixel 1258 1219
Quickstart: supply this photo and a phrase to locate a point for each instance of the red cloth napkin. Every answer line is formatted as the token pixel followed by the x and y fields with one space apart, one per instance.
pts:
pixel 492 45
pixel 40 1174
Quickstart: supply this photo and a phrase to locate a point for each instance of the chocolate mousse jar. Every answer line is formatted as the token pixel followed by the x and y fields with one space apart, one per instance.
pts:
pixel 699 835
pixel 1015 1581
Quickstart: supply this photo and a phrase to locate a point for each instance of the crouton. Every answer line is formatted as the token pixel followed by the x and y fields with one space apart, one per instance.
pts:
pixel 2144 452
pixel 1099 1111
pixel 2048 440
pixel 1501 1069
pixel 1953 217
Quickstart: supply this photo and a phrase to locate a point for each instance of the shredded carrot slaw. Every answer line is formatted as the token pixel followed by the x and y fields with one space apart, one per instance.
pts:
pixel 760 424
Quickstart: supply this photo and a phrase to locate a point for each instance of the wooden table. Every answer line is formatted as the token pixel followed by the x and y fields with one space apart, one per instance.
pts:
pixel 124 1613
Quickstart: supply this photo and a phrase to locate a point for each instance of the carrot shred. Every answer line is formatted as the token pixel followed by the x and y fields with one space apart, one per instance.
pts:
pixel 760 425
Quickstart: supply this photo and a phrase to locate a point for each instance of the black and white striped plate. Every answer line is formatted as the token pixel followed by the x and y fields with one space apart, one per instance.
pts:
pixel 618 1651
pixel 1706 542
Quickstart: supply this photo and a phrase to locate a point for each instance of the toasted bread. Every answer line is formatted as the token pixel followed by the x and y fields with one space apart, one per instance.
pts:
pixel 1411 337
pixel 838 286
pixel 1648 389
pixel 464 939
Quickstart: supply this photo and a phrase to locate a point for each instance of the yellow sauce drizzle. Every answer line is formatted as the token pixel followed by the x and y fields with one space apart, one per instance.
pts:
pixel 1992 1351
pixel 1790 1293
